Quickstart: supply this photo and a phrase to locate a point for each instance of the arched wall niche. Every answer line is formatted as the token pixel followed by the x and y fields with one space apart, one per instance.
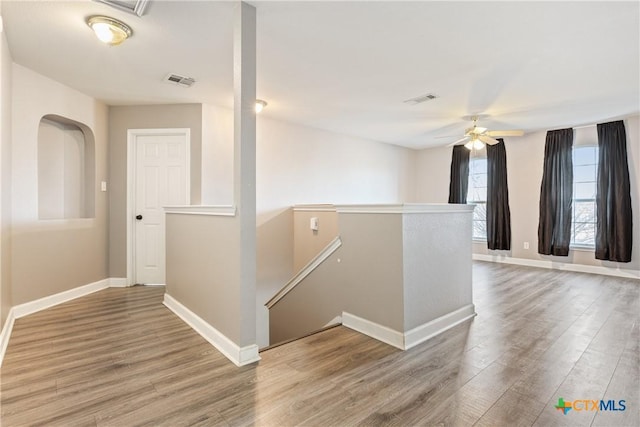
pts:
pixel 66 169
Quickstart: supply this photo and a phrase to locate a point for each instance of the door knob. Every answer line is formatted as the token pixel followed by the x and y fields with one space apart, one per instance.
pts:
pixel 138 217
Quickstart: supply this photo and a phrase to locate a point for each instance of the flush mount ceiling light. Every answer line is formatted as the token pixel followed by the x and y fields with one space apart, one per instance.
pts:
pixel 260 104
pixel 109 30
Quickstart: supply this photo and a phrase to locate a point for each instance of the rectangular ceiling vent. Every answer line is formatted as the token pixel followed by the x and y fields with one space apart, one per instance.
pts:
pixel 179 80
pixel 421 99
pixel 135 7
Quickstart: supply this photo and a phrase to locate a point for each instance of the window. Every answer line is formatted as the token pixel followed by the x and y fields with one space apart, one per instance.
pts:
pixel 66 165
pixel 583 223
pixel 477 194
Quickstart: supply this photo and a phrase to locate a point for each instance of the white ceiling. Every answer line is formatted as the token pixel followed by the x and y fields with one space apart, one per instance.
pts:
pixel 347 66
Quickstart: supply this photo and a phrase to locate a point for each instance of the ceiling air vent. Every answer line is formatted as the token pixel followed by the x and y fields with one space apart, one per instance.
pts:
pixel 179 80
pixel 421 99
pixel 135 7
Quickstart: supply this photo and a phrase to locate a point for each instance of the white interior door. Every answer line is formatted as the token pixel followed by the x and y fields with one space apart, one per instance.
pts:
pixel 161 178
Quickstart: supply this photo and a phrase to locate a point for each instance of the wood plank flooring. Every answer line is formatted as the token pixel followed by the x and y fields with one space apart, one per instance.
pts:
pixel 120 358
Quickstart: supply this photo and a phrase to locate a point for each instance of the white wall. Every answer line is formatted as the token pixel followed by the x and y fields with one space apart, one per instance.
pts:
pixel 297 165
pixel 217 155
pixel 433 167
pixel 52 256
pixel 524 173
pixel 301 165
pixel 5 177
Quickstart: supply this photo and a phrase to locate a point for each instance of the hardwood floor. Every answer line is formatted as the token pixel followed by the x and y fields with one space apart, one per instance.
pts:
pixel 120 358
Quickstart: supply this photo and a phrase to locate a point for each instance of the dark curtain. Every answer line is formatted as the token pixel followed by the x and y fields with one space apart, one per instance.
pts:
pixel 498 214
pixel 613 196
pixel 556 193
pixel 459 177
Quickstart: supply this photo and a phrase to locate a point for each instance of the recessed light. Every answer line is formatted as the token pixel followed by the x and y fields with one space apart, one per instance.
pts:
pixel 109 30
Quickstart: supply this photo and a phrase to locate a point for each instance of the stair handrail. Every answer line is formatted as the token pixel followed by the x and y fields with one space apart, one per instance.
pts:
pixel 305 271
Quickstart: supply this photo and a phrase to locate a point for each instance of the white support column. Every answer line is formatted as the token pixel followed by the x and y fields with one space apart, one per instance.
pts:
pixel 244 81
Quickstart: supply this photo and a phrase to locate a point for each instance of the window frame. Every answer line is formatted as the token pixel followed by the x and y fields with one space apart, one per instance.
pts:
pixel 475 157
pixel 572 244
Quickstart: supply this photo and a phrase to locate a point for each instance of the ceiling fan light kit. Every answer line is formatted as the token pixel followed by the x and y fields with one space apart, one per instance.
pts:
pixel 474 144
pixel 478 136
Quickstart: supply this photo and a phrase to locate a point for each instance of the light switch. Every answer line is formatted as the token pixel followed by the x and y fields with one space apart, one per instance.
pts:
pixel 103 186
pixel 314 223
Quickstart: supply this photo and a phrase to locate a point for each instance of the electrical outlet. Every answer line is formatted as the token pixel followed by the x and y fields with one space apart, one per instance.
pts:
pixel 526 245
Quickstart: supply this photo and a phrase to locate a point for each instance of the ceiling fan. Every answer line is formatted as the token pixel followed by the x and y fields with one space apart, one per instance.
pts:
pixel 476 136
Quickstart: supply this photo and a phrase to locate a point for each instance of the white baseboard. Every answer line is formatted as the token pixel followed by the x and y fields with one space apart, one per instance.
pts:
pixel 409 339
pixel 374 330
pixel 333 322
pixel 437 326
pixel 239 355
pixel 6 334
pixel 579 268
pixel 31 307
pixel 118 282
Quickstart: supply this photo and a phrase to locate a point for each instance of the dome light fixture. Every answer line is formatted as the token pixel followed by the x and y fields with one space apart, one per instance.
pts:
pixel 474 144
pixel 109 30
pixel 260 104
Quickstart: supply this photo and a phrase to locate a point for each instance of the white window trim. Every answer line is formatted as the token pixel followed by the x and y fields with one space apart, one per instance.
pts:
pixel 477 156
pixel 582 247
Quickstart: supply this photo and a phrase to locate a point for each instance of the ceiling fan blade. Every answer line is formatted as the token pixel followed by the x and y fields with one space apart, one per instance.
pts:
pixel 487 139
pixel 458 141
pixel 505 133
